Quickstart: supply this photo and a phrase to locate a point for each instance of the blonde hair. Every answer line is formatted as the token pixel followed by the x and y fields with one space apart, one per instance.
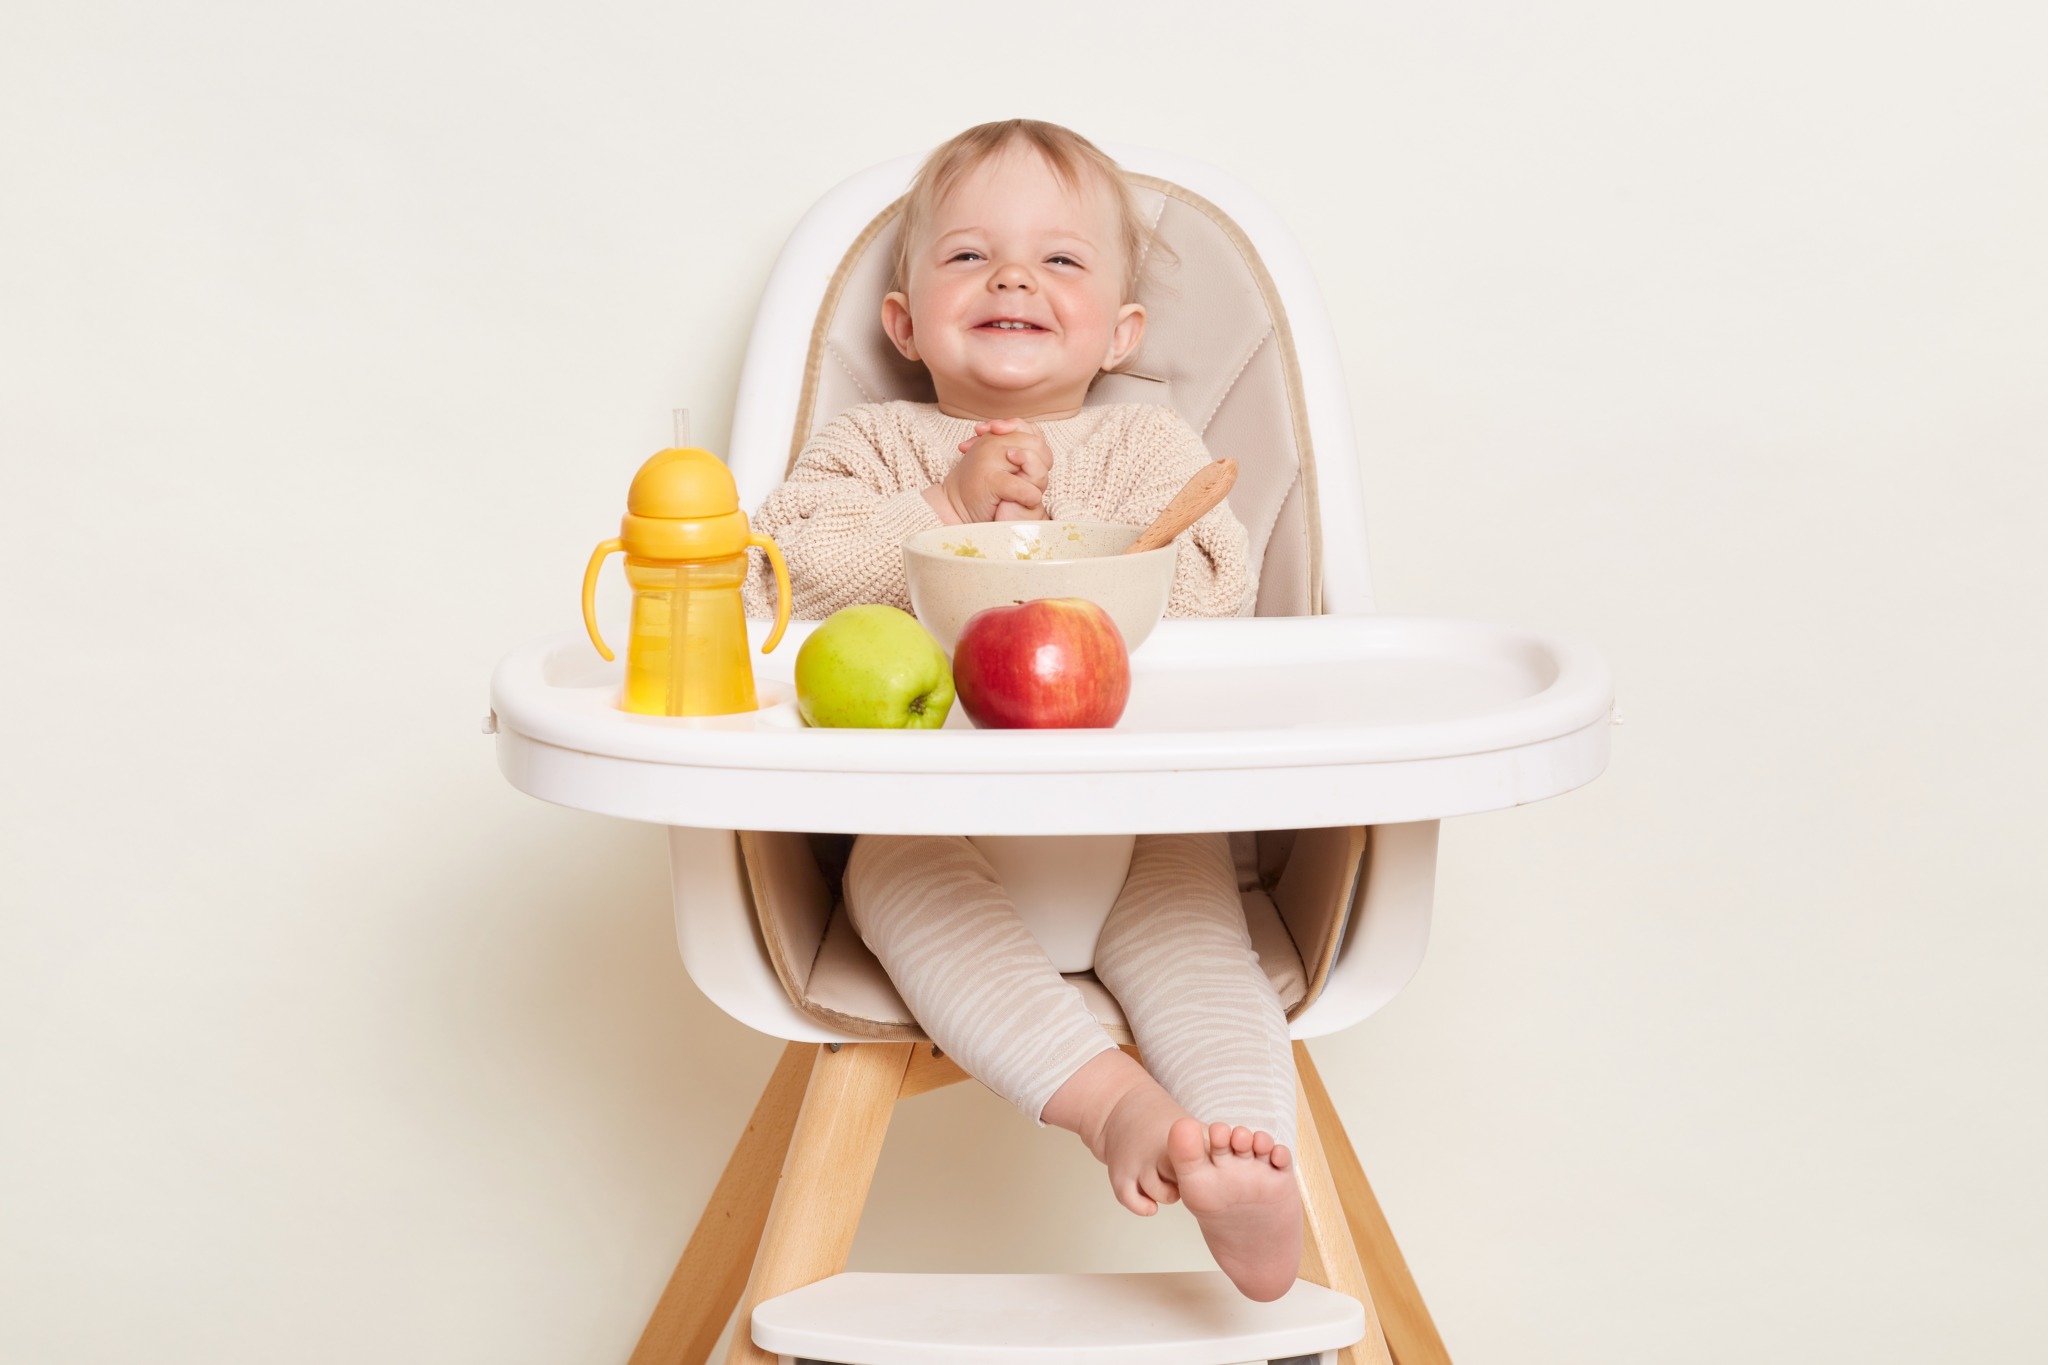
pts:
pixel 1073 160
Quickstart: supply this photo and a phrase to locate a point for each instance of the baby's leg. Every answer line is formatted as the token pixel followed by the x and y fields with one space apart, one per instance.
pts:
pixel 930 908
pixel 981 986
pixel 1175 953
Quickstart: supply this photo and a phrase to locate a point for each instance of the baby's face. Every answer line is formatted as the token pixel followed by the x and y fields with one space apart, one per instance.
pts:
pixel 1014 296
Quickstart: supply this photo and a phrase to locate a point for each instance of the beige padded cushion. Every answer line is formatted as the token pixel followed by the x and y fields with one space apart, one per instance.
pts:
pixel 1216 350
pixel 1295 921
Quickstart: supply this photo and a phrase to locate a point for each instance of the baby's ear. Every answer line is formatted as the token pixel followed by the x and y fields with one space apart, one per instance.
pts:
pixel 1125 336
pixel 896 322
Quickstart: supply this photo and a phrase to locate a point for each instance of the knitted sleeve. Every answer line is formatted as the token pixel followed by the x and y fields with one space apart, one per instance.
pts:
pixel 841 517
pixel 1213 575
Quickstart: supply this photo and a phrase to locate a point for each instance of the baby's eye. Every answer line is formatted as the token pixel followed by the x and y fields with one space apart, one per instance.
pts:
pixel 964 256
pixel 1061 260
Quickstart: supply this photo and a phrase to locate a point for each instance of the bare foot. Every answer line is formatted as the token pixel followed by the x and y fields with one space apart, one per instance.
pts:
pixel 1239 1184
pixel 1123 1115
pixel 1132 1144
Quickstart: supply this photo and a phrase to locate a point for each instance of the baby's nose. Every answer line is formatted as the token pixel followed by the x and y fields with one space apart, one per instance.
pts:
pixel 1012 277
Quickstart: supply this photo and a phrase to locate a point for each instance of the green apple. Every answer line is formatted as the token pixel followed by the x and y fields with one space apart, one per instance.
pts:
pixel 875 668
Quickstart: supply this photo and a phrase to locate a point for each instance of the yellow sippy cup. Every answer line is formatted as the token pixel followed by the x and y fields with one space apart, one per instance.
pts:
pixel 686 540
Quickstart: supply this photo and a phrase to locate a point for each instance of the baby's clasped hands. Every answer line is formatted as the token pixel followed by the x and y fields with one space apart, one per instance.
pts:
pixel 1001 475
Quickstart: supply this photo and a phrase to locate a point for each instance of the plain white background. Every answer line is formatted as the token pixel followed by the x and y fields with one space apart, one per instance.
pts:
pixel 1711 334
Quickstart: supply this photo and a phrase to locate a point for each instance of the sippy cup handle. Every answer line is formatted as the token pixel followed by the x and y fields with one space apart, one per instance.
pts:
pixel 774 552
pixel 597 558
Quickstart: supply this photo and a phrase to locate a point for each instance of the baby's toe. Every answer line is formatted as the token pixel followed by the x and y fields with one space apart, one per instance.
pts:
pixel 1159 1188
pixel 1241 1141
pixel 1262 1143
pixel 1186 1145
pixel 1134 1198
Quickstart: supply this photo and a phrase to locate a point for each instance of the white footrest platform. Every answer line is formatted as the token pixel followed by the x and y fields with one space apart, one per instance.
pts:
pixel 1180 1318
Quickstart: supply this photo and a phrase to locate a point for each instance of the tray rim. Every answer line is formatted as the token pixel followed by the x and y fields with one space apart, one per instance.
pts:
pixel 1580 692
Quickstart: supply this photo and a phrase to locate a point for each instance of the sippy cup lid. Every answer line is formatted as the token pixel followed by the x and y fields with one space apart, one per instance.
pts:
pixel 683 505
pixel 683 484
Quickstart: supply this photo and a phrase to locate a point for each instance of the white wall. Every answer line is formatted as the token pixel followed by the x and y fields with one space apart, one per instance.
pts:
pixel 1710 334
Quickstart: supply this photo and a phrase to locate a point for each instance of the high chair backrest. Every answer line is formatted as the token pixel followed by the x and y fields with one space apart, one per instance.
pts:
pixel 1236 341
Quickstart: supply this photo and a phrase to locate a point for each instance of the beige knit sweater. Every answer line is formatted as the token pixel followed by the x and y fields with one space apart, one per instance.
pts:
pixel 857 492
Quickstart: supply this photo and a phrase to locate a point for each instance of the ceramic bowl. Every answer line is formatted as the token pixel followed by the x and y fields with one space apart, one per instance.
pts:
pixel 956 571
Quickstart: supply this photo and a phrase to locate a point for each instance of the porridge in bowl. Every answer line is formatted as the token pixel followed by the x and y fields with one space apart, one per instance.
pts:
pixel 956 571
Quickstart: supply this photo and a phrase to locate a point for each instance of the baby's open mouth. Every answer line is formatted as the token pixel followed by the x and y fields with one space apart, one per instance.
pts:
pixel 1010 325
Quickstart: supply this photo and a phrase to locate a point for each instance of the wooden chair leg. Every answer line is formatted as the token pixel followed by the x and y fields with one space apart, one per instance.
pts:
pixel 713 1269
pixel 929 1070
pixel 1327 1255
pixel 825 1178
pixel 1411 1333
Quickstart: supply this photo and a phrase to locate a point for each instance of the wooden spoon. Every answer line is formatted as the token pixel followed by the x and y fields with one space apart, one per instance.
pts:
pixel 1207 488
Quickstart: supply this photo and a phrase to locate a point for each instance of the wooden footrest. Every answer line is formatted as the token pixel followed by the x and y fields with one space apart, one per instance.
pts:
pixel 1182 1318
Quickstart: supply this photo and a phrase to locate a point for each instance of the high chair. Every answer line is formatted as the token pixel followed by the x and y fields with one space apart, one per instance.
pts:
pixel 1389 726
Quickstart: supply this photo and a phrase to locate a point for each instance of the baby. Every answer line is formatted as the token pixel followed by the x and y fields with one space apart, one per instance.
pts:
pixel 1019 251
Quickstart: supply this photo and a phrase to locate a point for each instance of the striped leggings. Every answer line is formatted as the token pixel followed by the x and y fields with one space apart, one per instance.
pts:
pixel 1174 952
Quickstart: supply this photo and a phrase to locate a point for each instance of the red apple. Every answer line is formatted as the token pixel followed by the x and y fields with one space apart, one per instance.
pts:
pixel 1052 663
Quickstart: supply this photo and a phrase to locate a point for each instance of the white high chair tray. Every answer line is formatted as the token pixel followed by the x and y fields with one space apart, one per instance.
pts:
pixel 1256 723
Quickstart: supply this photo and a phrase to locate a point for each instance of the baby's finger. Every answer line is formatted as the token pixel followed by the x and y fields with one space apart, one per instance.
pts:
pixel 1033 463
pixel 1020 490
